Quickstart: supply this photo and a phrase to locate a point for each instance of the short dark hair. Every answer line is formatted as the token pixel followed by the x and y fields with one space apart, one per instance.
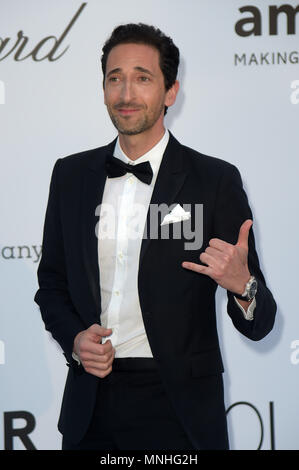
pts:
pixel 169 55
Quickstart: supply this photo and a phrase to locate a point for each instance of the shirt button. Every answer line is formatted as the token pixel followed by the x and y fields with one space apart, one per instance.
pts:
pixel 120 255
pixel 116 292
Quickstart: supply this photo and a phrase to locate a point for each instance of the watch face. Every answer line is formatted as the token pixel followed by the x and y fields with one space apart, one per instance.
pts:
pixel 252 289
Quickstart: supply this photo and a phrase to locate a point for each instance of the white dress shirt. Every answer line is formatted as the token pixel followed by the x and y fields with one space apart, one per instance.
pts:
pixel 128 198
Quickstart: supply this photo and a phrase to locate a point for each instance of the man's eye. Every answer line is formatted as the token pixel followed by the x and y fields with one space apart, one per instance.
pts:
pixel 144 79
pixel 113 79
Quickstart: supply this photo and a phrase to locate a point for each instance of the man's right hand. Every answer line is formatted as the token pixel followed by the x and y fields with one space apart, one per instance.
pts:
pixel 96 358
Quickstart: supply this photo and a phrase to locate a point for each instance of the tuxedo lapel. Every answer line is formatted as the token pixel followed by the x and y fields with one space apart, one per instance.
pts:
pixel 94 179
pixel 171 176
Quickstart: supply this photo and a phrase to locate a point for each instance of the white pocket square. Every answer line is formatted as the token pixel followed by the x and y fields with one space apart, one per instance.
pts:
pixel 176 215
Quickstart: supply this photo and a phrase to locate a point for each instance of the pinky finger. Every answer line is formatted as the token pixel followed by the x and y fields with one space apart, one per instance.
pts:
pixel 99 373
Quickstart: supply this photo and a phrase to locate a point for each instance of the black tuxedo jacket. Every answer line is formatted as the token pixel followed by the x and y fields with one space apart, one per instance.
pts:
pixel 178 305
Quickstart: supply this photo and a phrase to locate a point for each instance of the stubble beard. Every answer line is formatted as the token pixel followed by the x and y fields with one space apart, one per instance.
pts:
pixel 144 123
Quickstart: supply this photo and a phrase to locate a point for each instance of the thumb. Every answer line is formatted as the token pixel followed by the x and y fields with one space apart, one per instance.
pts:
pixel 99 330
pixel 243 234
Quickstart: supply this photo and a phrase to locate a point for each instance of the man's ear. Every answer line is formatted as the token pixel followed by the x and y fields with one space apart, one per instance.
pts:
pixel 171 94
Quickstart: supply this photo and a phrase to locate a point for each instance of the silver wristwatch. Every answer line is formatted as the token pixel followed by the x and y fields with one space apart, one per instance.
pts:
pixel 250 290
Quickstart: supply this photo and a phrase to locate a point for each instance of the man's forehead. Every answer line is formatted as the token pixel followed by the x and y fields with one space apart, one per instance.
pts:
pixel 133 54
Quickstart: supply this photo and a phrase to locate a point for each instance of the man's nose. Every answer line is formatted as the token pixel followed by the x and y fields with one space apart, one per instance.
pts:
pixel 127 92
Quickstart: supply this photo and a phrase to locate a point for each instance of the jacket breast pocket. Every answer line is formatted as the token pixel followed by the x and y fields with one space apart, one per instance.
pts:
pixel 206 363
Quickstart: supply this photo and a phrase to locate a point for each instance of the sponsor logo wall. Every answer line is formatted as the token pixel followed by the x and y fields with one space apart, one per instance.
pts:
pixel 239 101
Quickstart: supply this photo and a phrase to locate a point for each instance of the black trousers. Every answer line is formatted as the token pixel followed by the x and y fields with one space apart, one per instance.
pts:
pixel 132 412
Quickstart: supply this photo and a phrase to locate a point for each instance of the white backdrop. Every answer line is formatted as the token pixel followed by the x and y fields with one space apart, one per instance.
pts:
pixel 239 101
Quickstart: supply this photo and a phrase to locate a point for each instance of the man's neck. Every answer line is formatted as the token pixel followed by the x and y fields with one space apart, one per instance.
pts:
pixel 134 146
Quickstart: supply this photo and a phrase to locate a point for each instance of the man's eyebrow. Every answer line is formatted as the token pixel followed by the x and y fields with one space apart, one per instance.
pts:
pixel 142 69
pixel 137 68
pixel 117 70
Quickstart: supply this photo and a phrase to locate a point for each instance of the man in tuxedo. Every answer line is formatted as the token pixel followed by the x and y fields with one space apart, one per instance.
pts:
pixel 133 309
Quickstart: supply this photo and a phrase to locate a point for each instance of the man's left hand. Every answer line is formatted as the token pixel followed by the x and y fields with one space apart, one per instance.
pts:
pixel 226 263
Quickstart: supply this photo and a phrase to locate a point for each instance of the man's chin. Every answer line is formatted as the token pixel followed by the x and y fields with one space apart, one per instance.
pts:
pixel 130 131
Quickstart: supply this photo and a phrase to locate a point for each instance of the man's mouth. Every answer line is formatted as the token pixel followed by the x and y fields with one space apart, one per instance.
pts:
pixel 128 111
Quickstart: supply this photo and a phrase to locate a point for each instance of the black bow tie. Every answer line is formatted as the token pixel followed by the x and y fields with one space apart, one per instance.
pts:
pixel 116 167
